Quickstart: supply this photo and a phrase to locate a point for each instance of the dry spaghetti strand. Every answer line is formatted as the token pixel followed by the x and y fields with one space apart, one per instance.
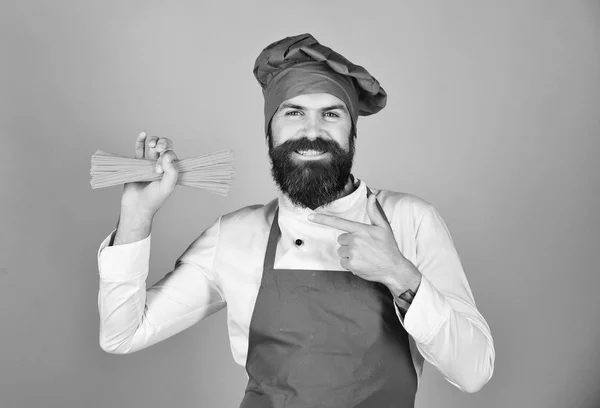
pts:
pixel 213 171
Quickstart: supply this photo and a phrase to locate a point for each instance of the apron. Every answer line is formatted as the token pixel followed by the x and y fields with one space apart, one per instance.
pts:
pixel 325 339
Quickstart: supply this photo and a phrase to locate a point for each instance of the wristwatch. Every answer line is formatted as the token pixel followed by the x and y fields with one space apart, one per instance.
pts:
pixel 404 301
pixel 407 296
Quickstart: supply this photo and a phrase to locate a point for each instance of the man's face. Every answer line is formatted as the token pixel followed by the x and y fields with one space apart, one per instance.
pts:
pixel 311 148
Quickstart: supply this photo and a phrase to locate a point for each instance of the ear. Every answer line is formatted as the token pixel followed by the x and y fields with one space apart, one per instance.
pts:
pixel 268 137
pixel 269 134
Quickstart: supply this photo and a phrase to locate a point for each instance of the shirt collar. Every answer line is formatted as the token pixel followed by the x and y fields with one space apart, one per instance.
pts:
pixel 356 199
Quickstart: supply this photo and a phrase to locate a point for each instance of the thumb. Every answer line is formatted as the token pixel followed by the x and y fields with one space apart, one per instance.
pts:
pixel 374 214
pixel 171 171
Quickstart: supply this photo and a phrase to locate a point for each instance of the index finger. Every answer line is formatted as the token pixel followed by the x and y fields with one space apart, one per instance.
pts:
pixel 337 222
pixel 140 142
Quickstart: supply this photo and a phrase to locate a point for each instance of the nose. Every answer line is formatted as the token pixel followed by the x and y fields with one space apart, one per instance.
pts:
pixel 313 128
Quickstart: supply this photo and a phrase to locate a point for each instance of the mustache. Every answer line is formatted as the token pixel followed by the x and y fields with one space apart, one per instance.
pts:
pixel 304 143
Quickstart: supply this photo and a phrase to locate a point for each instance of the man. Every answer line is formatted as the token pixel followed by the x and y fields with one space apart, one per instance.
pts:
pixel 336 292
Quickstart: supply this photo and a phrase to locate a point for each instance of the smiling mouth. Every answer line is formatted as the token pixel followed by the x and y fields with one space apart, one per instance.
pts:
pixel 310 153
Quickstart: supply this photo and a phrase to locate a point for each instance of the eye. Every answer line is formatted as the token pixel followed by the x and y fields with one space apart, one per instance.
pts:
pixel 292 113
pixel 333 114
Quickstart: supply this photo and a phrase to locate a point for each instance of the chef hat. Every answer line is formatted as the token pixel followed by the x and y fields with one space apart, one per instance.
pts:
pixel 300 65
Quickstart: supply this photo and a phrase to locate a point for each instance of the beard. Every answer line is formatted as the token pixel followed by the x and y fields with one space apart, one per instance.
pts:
pixel 311 183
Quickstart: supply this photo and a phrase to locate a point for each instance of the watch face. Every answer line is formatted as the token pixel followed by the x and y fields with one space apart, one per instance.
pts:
pixel 407 296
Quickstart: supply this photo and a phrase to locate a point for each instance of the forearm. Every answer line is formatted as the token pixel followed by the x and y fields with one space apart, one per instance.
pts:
pixel 123 265
pixel 443 319
pixel 132 227
pixel 121 309
pixel 452 336
pixel 462 351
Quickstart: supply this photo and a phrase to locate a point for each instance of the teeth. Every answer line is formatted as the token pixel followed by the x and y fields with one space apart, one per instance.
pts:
pixel 309 152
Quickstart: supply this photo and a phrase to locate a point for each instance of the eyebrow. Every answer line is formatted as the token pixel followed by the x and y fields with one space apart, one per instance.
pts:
pixel 326 108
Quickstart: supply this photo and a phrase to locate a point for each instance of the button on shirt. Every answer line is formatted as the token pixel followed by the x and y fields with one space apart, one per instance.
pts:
pixel 223 268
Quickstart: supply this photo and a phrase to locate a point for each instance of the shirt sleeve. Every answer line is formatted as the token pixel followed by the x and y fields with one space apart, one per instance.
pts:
pixel 133 317
pixel 443 319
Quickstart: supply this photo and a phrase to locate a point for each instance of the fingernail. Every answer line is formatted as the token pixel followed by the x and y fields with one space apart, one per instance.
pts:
pixel 159 169
pixel 152 143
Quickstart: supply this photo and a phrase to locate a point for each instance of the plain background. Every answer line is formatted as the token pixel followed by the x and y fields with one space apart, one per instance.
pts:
pixel 493 117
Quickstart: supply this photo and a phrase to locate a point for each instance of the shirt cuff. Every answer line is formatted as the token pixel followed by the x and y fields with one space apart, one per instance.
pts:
pixel 426 314
pixel 123 262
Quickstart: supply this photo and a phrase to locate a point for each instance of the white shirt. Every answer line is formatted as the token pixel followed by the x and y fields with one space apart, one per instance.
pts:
pixel 223 267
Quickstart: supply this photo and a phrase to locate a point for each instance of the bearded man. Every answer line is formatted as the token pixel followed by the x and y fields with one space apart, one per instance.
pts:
pixel 337 292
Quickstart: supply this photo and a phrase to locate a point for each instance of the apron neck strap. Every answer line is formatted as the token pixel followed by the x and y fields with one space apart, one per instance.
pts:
pixel 274 235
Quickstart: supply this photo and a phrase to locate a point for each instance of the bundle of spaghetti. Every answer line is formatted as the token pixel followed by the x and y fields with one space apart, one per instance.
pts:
pixel 213 171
